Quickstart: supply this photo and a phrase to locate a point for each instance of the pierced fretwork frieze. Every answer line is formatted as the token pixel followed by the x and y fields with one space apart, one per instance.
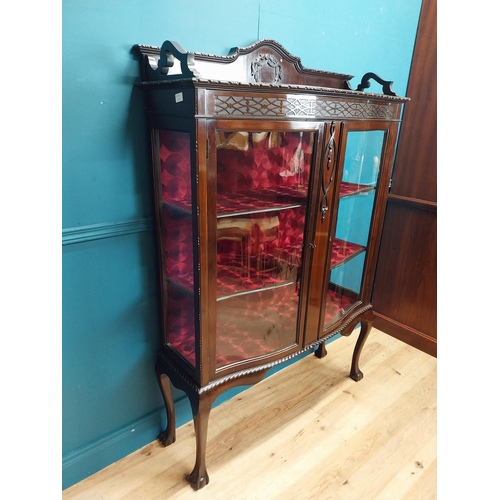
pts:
pixel 299 106
pixel 344 109
pixel 263 106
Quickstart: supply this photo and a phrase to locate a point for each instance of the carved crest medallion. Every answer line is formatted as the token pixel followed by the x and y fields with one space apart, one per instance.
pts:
pixel 266 69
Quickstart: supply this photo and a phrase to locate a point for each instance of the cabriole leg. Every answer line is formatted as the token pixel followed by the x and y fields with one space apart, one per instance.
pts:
pixel 356 374
pixel 168 435
pixel 201 412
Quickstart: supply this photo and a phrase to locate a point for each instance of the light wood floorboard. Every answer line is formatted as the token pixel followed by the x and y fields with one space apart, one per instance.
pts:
pixel 306 432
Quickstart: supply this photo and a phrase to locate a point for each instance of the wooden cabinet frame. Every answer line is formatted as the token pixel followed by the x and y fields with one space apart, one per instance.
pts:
pixel 258 120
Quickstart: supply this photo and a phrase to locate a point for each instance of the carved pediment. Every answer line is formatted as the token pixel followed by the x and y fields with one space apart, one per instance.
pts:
pixel 265 61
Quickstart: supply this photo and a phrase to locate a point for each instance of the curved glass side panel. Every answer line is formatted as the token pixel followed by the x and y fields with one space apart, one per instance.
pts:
pixel 262 184
pixel 177 234
pixel 357 195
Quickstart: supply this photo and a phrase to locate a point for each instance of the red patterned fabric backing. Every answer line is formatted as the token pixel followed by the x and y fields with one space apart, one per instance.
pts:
pixel 261 196
pixel 175 172
pixel 336 306
pixel 181 328
pixel 175 158
pixel 178 237
pixel 261 168
pixel 248 325
pixel 256 324
pixel 260 249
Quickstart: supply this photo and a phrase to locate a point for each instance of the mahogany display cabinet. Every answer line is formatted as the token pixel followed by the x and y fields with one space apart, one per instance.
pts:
pixel 270 185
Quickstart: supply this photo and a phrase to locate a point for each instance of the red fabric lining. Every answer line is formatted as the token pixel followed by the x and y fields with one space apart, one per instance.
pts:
pixel 254 251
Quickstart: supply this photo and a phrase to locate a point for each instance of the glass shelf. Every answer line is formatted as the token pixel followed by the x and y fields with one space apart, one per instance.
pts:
pixel 342 251
pixel 231 281
pixel 243 274
pixel 352 188
pixel 247 203
pixel 269 200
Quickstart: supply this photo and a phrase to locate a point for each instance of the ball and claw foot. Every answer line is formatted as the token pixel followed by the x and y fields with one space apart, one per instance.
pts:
pixel 165 438
pixel 356 376
pixel 197 480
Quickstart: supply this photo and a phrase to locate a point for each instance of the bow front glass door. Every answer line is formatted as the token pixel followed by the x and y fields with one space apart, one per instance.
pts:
pixel 361 162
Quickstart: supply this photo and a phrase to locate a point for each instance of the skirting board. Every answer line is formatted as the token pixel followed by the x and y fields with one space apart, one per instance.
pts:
pixel 406 334
pixel 87 460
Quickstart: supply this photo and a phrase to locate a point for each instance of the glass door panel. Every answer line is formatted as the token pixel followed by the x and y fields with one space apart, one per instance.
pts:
pixel 262 183
pixel 177 234
pixel 357 194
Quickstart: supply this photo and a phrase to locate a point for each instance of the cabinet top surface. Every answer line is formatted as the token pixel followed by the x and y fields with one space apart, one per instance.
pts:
pixel 265 65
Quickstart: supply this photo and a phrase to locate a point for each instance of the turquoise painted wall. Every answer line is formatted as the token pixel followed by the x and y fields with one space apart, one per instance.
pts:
pixel 111 403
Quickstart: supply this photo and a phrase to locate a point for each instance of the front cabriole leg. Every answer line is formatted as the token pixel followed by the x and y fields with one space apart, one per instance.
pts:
pixel 201 405
pixel 356 374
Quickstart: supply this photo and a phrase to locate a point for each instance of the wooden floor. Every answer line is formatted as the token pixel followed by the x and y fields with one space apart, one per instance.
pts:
pixel 318 435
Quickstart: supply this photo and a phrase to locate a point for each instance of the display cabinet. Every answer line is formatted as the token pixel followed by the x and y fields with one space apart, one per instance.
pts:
pixel 270 184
